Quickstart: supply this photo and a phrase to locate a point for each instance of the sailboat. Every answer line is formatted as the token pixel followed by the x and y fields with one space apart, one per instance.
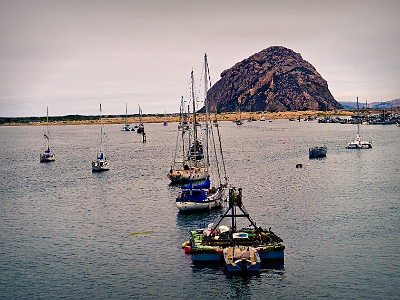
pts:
pixel 202 196
pixel 127 127
pixel 140 127
pixel 47 155
pixel 239 121
pixel 359 143
pixel 188 164
pixel 101 163
pixel 165 119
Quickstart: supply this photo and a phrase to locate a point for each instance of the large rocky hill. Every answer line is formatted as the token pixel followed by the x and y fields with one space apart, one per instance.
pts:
pixel 275 79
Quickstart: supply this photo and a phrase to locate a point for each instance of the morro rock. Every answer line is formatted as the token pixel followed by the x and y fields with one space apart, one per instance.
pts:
pixel 275 79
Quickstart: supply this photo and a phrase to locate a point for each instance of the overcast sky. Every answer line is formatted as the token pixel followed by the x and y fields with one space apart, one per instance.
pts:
pixel 72 55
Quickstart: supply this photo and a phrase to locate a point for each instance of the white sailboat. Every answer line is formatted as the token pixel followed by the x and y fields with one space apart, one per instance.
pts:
pixel 140 127
pixel 188 163
pixel 359 143
pixel 101 163
pixel 127 127
pixel 165 119
pixel 205 196
pixel 47 155
pixel 239 121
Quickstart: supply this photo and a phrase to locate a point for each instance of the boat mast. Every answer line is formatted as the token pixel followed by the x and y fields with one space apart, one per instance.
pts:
pixel 358 120
pixel 101 132
pixel 206 105
pixel 126 113
pixel 194 122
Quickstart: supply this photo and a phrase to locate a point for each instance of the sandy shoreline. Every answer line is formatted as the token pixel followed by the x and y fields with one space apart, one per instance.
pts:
pixel 170 118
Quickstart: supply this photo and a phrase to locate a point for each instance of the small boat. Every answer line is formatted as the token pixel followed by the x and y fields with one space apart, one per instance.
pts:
pixel 242 259
pixel 239 122
pixel 165 119
pixel 127 127
pixel 101 163
pixel 317 152
pixel 359 143
pixel 250 119
pixel 47 155
pixel 140 127
pixel 262 118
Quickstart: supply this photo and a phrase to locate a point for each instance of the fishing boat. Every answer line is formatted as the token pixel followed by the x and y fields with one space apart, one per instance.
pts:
pixel 101 163
pixel 188 164
pixel 202 196
pixel 242 259
pixel 317 152
pixel 47 155
pixel 208 244
pixel 127 127
pixel 140 127
pixel 359 143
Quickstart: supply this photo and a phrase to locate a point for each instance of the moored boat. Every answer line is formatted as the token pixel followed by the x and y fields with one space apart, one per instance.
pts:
pixel 194 197
pixel 127 127
pixel 317 152
pixel 47 155
pixel 359 143
pixel 242 259
pixel 208 244
pixel 188 163
pixel 101 163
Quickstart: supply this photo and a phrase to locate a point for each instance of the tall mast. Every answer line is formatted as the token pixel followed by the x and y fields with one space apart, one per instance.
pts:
pixel 358 120
pixel 206 105
pixel 101 131
pixel 48 133
pixel 194 121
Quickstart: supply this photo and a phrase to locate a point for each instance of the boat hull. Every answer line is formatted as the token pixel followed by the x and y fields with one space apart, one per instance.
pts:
pixel 185 175
pixel 317 152
pixel 208 256
pixel 213 200
pixel 100 165
pixel 242 259
pixel 47 157
pixel 359 145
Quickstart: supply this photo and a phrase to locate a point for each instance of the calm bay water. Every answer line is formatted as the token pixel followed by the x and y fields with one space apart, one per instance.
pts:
pixel 68 233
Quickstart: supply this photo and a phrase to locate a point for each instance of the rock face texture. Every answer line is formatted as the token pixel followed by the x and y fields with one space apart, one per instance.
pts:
pixel 275 79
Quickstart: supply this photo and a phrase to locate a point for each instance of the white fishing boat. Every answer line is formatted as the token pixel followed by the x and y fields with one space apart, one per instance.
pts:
pixel 205 196
pixel 101 163
pixel 127 127
pixel 359 143
pixel 242 259
pixel 47 155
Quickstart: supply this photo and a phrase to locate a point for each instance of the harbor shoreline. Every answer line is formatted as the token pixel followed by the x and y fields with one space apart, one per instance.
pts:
pixel 171 118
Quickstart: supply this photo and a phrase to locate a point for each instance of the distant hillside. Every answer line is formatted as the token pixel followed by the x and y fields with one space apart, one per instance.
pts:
pixel 377 105
pixel 275 79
